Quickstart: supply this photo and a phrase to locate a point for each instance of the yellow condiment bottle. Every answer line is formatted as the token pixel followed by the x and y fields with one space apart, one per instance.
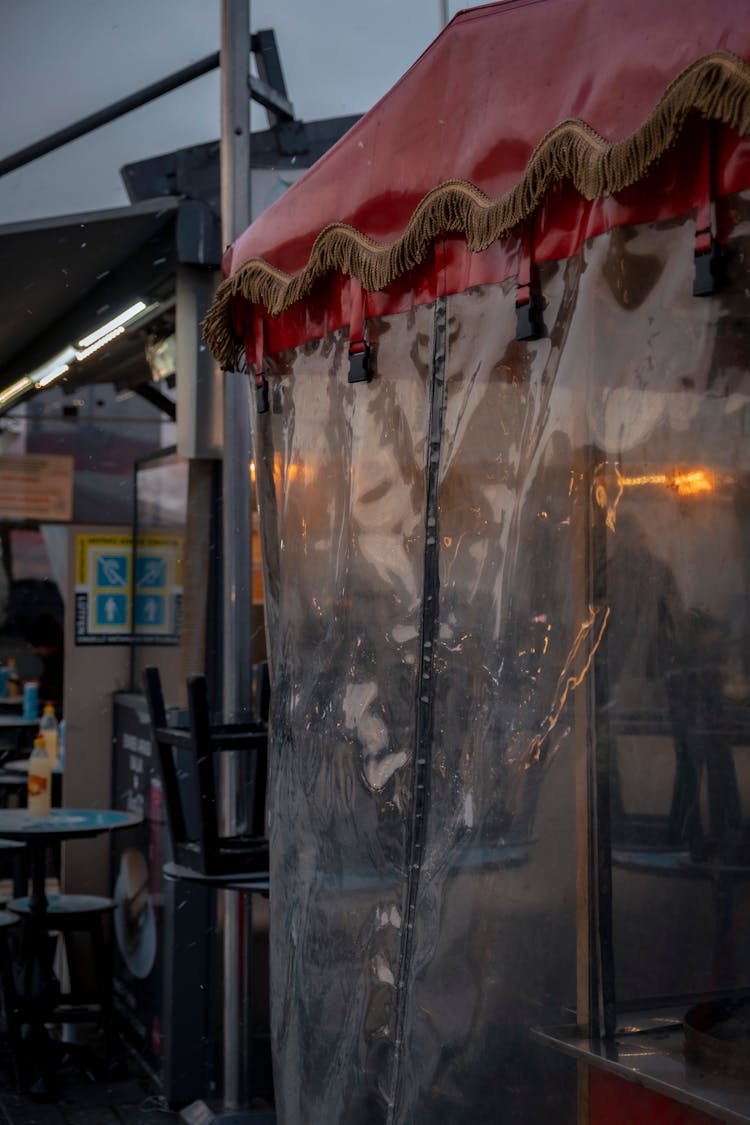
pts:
pixel 39 789
pixel 49 729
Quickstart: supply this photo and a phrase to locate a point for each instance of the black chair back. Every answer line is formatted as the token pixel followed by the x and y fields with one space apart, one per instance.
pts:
pixel 197 841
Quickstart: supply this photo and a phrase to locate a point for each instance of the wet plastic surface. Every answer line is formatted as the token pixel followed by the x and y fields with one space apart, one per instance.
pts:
pixel 493 564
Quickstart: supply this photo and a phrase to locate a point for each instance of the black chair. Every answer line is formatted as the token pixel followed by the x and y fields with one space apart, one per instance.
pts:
pixel 188 764
pixel 188 758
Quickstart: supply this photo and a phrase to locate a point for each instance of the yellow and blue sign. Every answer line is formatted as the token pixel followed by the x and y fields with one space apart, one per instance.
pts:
pixel 120 600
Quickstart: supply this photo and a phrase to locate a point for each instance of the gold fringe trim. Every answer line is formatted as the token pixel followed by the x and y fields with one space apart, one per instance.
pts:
pixel 716 86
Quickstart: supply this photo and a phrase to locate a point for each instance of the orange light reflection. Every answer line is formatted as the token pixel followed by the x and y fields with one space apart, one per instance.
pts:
pixel 688 483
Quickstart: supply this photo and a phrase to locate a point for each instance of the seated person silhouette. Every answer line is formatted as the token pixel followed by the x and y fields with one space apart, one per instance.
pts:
pixel 45 636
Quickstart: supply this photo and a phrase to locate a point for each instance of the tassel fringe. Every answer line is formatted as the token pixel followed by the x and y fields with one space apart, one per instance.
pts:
pixel 716 86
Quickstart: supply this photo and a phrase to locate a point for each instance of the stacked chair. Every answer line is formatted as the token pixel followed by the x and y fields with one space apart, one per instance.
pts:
pixel 188 759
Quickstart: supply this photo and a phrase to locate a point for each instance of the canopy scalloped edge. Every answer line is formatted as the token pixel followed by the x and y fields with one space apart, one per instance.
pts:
pixel 717 86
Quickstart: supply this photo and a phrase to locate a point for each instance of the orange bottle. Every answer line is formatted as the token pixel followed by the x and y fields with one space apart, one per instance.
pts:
pixel 39 789
pixel 49 730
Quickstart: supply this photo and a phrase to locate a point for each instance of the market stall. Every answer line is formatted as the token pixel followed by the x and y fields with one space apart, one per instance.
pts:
pixel 499 338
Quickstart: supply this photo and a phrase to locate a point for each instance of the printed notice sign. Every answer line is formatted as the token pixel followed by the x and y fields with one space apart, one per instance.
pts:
pixel 36 487
pixel 115 605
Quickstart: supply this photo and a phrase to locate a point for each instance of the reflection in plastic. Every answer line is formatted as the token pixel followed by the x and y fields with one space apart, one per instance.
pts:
pixel 471 691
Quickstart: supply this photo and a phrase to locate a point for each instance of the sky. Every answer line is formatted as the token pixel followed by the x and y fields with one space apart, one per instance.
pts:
pixel 61 60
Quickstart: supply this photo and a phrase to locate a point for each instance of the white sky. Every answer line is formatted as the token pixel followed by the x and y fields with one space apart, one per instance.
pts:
pixel 61 60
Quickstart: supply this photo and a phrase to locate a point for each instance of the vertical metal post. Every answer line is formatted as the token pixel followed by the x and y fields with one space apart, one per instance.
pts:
pixel 235 216
pixel 237 548
pixel 444 17
pixel 237 535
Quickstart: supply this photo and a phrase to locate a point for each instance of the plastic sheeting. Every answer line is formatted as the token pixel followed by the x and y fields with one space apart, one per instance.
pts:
pixel 493 563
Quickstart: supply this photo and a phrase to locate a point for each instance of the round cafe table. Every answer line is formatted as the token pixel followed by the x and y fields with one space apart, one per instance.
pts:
pixel 42 832
pixel 21 765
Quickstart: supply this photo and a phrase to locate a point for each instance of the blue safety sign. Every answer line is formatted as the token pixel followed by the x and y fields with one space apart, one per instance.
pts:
pixel 157 602
pixel 150 572
pixel 111 611
pixel 120 600
pixel 150 611
pixel 112 570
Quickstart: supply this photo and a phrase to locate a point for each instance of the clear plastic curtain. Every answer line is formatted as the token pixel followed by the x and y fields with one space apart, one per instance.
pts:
pixel 436 611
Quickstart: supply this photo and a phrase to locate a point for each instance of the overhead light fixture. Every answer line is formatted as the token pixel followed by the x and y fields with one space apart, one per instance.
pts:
pixel 53 368
pixel 100 343
pixel 55 373
pixel 14 390
pixel 123 318
pixel 41 377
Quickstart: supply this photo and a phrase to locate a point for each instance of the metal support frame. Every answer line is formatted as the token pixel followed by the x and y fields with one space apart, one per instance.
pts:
pixel 108 113
pixel 237 549
pixel 237 573
pixel 602 992
pixel 269 91
pixel 157 398
pixel 278 106
pixel 267 60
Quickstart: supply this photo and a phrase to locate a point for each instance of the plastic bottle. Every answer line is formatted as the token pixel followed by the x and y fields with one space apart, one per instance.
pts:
pixel 61 744
pixel 50 732
pixel 31 700
pixel 14 680
pixel 39 799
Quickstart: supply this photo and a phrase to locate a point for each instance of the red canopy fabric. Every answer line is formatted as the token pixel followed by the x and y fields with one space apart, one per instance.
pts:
pixel 482 109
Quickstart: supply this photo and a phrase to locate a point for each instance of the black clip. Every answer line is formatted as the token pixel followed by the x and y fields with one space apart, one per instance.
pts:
pixel 359 364
pixel 529 323
pixel 708 269
pixel 261 395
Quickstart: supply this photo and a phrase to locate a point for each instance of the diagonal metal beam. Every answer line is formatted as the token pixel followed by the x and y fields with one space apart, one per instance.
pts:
pixel 276 103
pixel 157 398
pixel 109 113
pixel 263 90
pixel 268 63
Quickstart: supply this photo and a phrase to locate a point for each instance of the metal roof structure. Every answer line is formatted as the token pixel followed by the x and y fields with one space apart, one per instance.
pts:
pixel 84 294
pixel 62 278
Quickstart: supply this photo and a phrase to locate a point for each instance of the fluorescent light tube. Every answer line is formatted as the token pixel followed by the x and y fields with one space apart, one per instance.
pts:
pixel 123 318
pixel 54 367
pixel 14 390
pixel 86 352
pixel 53 374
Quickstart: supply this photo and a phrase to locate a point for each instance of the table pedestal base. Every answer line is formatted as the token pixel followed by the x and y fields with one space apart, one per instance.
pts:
pixel 198 1113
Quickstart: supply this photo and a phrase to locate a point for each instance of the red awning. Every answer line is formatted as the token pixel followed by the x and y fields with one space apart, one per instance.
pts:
pixel 544 108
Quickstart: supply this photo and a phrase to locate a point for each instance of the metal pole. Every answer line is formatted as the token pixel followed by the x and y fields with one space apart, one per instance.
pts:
pixel 109 113
pixel 444 16
pixel 237 532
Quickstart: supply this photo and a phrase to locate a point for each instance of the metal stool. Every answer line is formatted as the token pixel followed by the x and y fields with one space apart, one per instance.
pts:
pixel 14 870
pixel 8 922
pixel 41 1005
